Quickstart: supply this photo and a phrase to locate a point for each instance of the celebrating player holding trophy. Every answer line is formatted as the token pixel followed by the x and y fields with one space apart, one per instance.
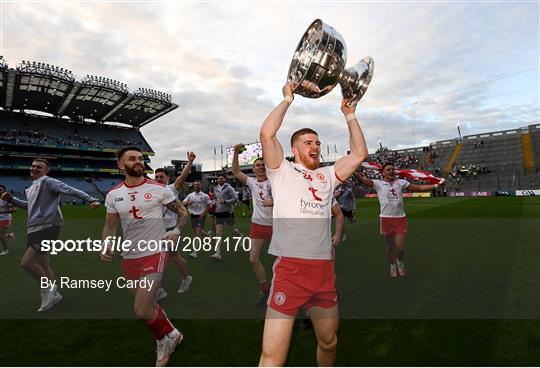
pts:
pixel 304 270
pixel 303 192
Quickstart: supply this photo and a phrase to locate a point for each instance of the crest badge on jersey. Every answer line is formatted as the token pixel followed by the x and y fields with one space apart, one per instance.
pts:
pixel 280 298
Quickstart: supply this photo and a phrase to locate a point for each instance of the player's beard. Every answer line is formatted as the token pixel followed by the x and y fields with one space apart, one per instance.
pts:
pixel 311 163
pixel 135 171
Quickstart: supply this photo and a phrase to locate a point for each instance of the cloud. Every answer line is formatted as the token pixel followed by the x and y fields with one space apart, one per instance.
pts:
pixel 225 65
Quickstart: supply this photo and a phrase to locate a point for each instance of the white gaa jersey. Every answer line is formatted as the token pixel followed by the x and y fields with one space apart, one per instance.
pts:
pixel 197 202
pixel 170 217
pixel 260 190
pixel 140 209
pixel 302 211
pixel 390 196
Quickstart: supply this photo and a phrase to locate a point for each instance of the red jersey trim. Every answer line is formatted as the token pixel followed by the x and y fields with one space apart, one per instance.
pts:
pixel 146 181
pixel 337 177
pixel 116 187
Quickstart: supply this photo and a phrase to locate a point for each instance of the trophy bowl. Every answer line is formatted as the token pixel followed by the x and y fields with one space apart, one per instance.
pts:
pixel 318 64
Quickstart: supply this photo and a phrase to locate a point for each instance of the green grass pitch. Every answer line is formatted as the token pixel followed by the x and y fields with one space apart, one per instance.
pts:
pixel 471 296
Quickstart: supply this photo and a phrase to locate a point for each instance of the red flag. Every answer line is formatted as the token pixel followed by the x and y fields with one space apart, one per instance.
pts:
pixel 371 165
pixel 419 175
pixel 407 173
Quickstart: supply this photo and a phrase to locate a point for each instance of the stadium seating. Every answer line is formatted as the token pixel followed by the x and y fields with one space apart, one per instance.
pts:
pixel 47 131
pixel 534 131
pixel 483 162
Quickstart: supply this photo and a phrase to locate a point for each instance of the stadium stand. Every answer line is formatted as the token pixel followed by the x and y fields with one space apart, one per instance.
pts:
pixel 77 125
pixel 496 161
pixel 534 131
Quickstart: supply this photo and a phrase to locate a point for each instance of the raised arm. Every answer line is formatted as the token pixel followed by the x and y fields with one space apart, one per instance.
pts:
pixel 422 188
pixel 236 165
pixel 62 188
pixel 366 181
pixel 346 165
pixel 179 182
pixel 272 150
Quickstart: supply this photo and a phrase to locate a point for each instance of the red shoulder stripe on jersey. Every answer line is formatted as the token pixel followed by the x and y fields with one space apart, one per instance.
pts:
pixel 116 187
pixel 133 186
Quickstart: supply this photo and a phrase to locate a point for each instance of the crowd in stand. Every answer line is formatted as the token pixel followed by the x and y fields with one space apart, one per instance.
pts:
pixel 74 140
pixel 400 160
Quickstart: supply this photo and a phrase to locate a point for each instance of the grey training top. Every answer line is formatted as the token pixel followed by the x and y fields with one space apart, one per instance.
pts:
pixel 42 202
pixel 227 193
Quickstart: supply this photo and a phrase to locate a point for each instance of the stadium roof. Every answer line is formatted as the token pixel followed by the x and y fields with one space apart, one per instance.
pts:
pixel 51 89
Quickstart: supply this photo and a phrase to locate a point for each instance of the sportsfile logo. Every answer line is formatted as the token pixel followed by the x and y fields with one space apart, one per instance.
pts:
pixel 314 208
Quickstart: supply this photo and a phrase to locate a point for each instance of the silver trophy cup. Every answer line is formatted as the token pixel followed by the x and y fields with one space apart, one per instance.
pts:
pixel 318 64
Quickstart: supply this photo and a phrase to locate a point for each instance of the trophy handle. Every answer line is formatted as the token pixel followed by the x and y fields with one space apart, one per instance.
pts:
pixel 355 80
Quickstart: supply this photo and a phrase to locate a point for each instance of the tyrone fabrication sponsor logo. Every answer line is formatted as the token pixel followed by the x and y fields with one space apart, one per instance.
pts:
pixel 316 208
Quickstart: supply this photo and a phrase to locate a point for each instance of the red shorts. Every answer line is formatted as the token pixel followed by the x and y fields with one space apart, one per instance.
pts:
pixel 393 225
pixel 5 223
pixel 259 231
pixel 301 283
pixel 135 268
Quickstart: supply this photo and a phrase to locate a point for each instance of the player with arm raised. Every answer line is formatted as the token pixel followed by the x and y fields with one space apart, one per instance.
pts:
pixel 261 219
pixel 138 203
pixel 301 238
pixel 45 221
pixel 170 218
pixel 392 216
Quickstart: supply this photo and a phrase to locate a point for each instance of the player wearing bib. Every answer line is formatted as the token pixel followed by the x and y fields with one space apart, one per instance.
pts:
pixel 6 236
pixel 45 221
pixel 301 239
pixel 197 204
pixel 393 219
pixel 261 219
pixel 138 203
pixel 170 218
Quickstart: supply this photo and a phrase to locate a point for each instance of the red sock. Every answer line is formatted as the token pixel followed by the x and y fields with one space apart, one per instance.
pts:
pixel 264 286
pixel 159 324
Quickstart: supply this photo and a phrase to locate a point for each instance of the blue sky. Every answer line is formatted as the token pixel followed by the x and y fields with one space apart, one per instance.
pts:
pixel 225 62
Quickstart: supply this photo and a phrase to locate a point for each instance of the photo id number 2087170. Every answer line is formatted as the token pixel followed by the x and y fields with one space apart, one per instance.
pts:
pixel 211 244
